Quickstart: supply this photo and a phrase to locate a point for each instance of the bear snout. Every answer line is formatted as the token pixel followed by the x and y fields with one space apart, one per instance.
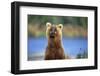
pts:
pixel 52 32
pixel 52 35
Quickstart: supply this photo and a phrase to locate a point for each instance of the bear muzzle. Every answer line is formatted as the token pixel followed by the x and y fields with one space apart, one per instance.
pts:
pixel 52 34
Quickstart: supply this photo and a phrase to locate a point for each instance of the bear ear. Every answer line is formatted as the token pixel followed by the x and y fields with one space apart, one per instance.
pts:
pixel 48 24
pixel 60 26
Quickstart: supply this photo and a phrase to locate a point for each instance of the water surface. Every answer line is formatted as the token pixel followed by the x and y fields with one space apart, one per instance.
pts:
pixel 72 46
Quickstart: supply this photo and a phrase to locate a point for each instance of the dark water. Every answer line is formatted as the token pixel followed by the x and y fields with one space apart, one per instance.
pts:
pixel 72 46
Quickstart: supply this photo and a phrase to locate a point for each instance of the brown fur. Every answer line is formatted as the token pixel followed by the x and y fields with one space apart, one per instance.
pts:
pixel 54 49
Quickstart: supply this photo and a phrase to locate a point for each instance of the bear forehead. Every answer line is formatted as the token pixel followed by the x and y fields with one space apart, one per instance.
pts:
pixel 53 27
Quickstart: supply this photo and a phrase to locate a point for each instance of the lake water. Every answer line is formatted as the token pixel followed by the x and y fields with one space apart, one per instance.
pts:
pixel 72 46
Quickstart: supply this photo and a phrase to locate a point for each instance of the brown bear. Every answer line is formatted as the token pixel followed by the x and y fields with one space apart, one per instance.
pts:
pixel 54 49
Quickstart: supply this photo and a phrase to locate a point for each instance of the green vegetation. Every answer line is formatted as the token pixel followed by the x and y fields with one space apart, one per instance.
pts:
pixel 73 26
pixel 82 55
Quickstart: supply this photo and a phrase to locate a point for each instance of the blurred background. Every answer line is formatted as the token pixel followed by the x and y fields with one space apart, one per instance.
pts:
pixel 74 35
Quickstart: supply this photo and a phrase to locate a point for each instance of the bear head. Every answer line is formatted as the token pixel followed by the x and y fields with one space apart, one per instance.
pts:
pixel 54 31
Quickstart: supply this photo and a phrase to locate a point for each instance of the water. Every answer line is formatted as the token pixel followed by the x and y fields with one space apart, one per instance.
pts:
pixel 72 46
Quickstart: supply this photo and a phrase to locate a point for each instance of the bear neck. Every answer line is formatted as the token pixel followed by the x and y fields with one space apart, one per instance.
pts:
pixel 52 43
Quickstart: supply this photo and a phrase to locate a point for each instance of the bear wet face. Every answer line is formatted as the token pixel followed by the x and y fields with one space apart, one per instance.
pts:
pixel 52 32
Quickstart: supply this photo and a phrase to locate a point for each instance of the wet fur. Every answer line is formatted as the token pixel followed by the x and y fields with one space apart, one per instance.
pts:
pixel 54 49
